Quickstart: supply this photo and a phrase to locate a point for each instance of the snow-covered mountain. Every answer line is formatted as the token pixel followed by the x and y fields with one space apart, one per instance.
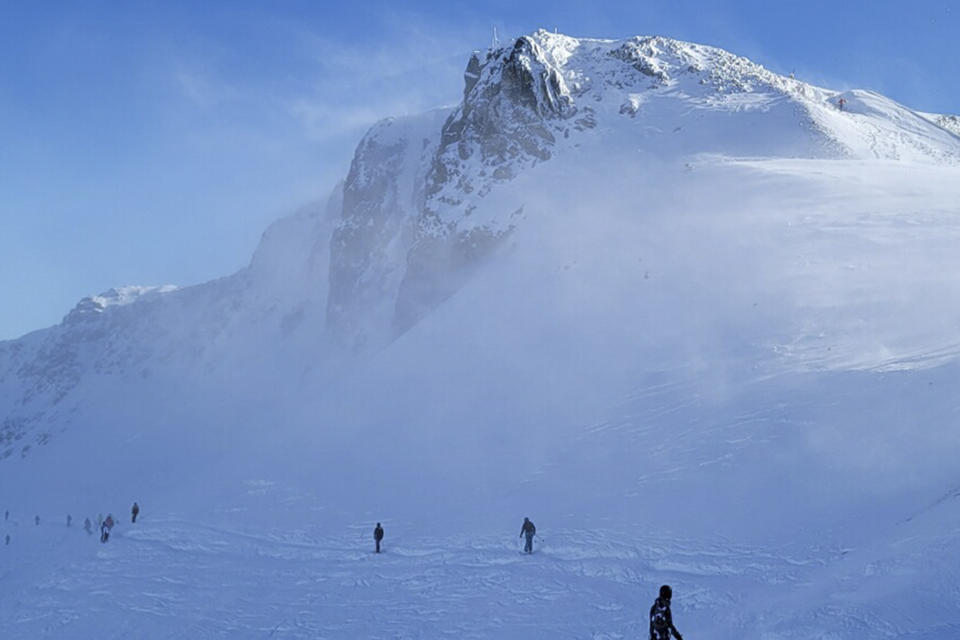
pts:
pixel 694 317
pixel 425 201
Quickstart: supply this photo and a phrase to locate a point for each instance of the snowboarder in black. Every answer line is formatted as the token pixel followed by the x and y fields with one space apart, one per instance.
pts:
pixel 135 511
pixel 529 531
pixel 378 536
pixel 661 620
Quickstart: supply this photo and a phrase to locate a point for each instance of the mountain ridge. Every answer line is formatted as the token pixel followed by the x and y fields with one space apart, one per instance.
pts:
pixel 427 200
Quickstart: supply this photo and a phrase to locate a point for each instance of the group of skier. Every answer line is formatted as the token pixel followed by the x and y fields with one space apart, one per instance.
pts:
pixel 661 619
pixel 105 525
pixel 528 529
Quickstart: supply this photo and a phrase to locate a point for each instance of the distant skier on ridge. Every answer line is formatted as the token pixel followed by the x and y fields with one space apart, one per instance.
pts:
pixel 134 512
pixel 529 530
pixel 378 536
pixel 661 620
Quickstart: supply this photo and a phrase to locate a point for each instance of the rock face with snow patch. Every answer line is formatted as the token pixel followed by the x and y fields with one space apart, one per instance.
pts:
pixel 382 197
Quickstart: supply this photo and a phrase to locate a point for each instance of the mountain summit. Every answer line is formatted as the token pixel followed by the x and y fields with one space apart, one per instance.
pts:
pixel 548 95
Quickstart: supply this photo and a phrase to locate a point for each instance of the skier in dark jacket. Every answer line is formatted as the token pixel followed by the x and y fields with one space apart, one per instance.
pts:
pixel 378 536
pixel 661 620
pixel 135 511
pixel 528 530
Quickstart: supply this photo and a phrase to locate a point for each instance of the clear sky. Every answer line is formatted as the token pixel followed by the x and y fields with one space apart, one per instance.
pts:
pixel 152 142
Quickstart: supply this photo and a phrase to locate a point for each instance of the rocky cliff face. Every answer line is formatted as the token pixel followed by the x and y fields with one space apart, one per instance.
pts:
pixel 383 197
pixel 949 122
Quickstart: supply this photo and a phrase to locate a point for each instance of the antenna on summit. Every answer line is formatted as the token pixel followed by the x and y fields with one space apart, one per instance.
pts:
pixel 495 41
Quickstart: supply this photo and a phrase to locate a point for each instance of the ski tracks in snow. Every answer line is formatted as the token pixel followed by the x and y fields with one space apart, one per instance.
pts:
pixel 176 579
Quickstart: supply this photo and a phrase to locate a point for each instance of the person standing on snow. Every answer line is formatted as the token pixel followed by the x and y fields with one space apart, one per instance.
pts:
pixel 528 530
pixel 661 620
pixel 378 536
pixel 105 528
pixel 841 102
pixel 135 511
pixel 36 520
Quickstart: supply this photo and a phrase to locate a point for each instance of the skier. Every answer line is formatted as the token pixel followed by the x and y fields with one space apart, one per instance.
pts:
pixel 88 526
pixel 378 536
pixel 661 621
pixel 841 102
pixel 528 530
pixel 105 528
pixel 135 511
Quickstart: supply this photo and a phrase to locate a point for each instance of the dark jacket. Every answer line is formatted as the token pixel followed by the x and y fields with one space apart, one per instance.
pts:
pixel 378 533
pixel 528 528
pixel 661 621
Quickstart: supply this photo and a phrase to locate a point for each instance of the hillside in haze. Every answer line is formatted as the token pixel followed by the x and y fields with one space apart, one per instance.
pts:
pixel 692 317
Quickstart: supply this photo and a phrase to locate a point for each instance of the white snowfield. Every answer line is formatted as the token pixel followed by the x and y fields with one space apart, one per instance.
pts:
pixel 180 579
pixel 714 345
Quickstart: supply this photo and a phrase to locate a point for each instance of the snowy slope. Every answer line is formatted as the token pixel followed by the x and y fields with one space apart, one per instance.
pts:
pixel 690 317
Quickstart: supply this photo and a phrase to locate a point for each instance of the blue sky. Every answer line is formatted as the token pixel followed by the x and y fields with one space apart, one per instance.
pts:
pixel 152 143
